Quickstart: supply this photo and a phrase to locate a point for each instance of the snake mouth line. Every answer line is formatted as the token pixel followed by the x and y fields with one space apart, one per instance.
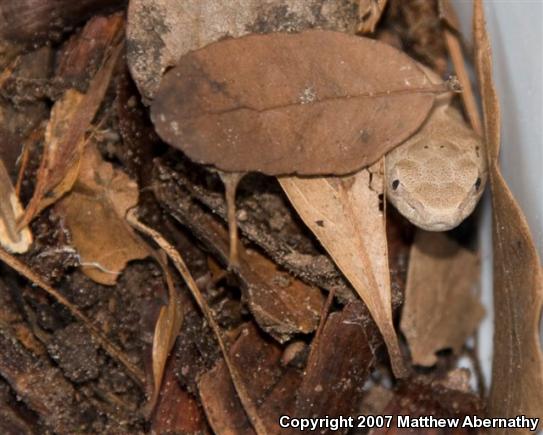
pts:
pixel 417 212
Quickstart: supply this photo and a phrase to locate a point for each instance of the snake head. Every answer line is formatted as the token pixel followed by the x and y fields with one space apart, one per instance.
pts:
pixel 436 183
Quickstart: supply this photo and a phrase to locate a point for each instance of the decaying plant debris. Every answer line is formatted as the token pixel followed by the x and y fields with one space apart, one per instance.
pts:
pixel 122 306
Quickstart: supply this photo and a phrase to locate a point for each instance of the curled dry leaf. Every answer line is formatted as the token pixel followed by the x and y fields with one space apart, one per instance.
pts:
pixel 370 12
pixel 167 328
pixel 94 211
pixel 345 215
pixel 517 367
pixel 154 42
pixel 70 118
pixel 317 102
pixel 440 310
pixel 12 239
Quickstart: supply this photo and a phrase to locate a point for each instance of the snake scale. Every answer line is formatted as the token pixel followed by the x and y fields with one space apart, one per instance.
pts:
pixel 436 177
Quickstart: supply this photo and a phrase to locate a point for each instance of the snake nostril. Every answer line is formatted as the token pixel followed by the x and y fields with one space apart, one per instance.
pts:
pixel 395 184
pixel 478 183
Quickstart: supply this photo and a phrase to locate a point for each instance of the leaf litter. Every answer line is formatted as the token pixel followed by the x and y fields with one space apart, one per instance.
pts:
pixel 441 310
pixel 346 215
pixel 94 212
pixel 264 317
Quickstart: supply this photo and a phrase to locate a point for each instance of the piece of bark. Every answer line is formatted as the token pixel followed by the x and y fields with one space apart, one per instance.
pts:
pixel 139 139
pixel 81 56
pixel 420 397
pixel 30 22
pixel 311 118
pixel 441 310
pixel 177 411
pixel 418 24
pixel 20 120
pixel 271 387
pixel 12 420
pixel 345 214
pixel 94 211
pixel 43 388
pixel 222 407
pixel 264 217
pixel 517 368
pixel 154 44
pixel 331 385
pixel 282 305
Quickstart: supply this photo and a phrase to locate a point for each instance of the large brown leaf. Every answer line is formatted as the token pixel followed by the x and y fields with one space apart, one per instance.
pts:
pixel 517 367
pixel 345 215
pixel 317 102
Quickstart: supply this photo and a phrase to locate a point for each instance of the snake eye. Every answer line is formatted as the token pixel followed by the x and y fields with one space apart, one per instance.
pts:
pixel 395 184
pixel 478 183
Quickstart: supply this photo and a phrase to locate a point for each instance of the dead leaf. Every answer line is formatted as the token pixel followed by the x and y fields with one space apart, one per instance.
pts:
pixel 370 12
pixel 270 103
pixel 167 328
pixel 440 309
pixel 64 140
pixel 517 367
pixel 12 239
pixel 154 42
pixel 345 215
pixel 94 212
